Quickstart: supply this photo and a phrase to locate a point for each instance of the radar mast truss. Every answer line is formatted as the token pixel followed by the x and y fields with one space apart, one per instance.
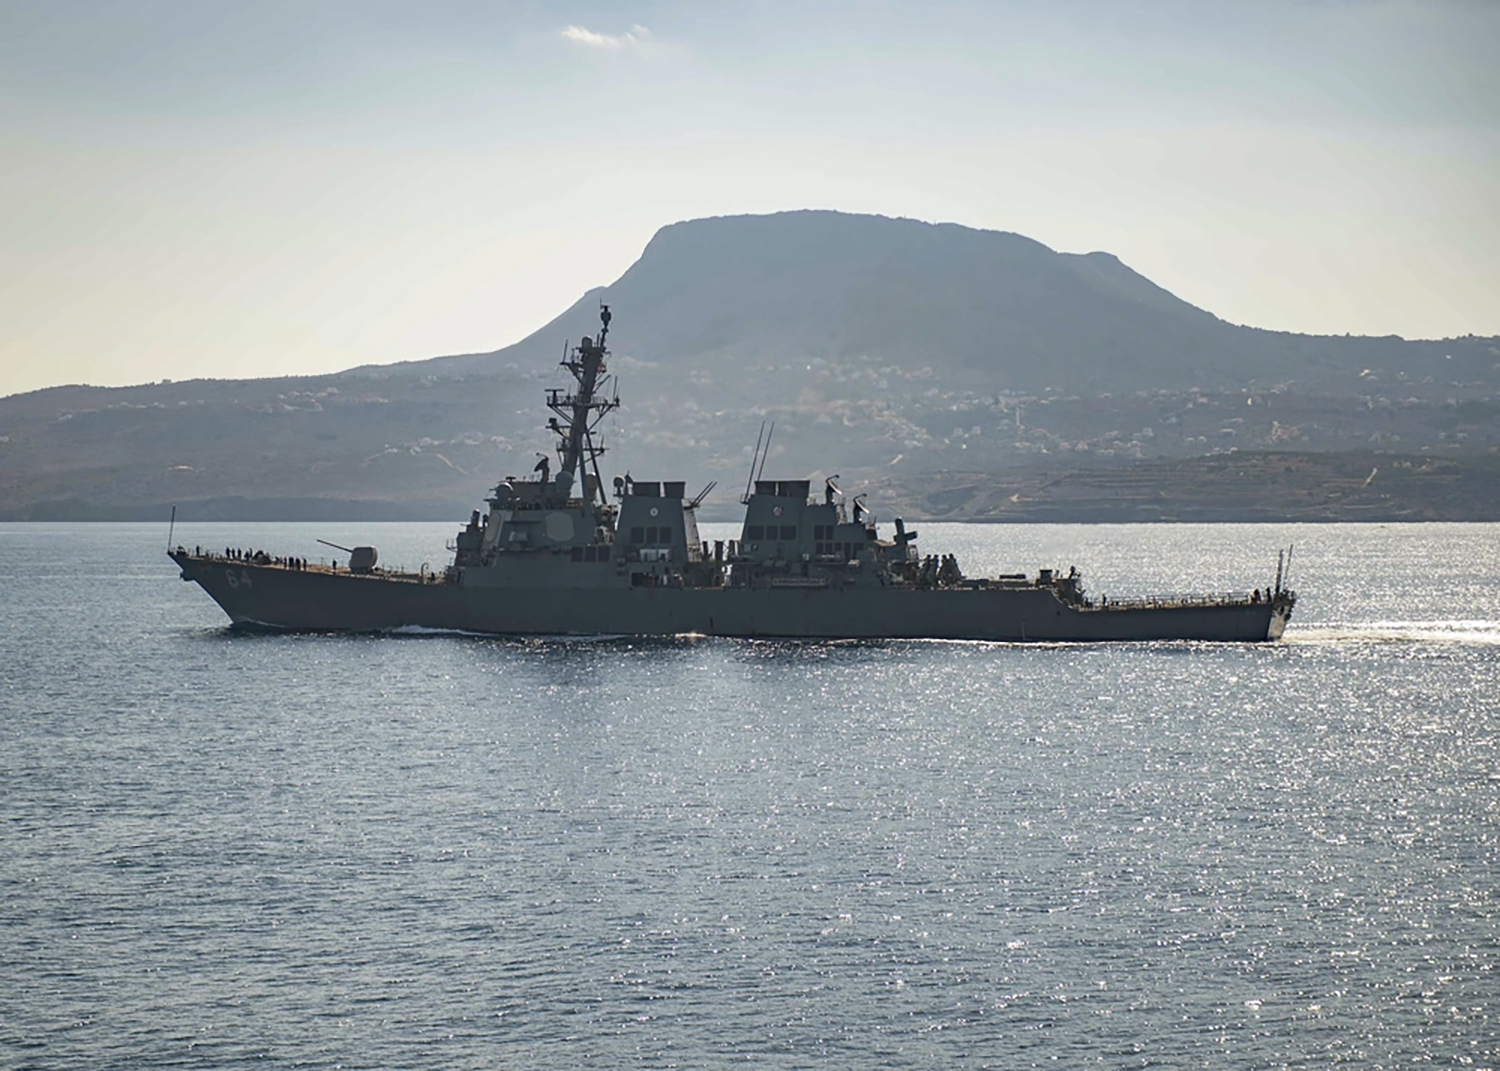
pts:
pixel 580 411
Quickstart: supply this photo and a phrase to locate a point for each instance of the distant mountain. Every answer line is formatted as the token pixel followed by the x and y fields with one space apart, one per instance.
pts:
pixel 987 309
pixel 884 348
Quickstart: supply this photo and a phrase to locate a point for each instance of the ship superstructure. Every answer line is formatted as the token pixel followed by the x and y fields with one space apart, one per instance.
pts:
pixel 553 555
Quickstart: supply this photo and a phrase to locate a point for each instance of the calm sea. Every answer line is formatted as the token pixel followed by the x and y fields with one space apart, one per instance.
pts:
pixel 225 850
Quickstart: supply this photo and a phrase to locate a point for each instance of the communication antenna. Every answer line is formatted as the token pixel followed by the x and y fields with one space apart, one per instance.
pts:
pixel 697 500
pixel 754 457
pixel 767 452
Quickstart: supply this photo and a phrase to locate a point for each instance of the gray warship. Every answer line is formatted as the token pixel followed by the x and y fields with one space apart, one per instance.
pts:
pixel 552 555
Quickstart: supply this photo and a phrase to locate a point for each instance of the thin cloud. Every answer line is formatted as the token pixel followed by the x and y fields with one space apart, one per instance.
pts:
pixel 582 35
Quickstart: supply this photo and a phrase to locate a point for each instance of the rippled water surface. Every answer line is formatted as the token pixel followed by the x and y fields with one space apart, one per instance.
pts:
pixel 225 850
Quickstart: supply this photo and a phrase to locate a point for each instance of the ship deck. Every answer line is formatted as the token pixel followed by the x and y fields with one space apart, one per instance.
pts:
pixel 327 569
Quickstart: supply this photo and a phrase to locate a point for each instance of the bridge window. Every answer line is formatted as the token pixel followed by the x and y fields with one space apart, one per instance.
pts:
pixel 755 531
pixel 788 531
pixel 638 535
pixel 578 554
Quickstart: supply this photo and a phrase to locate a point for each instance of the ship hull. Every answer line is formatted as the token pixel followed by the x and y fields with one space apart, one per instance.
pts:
pixel 270 596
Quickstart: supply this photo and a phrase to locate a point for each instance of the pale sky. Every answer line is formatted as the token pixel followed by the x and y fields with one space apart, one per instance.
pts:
pixel 198 188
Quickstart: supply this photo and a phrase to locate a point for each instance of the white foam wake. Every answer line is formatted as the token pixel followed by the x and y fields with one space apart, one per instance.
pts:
pixel 425 630
pixel 1479 632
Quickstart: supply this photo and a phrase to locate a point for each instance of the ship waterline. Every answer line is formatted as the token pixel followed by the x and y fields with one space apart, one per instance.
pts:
pixel 554 556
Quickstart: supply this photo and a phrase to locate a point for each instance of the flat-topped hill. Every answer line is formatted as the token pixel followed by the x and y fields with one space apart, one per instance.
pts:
pixel 882 348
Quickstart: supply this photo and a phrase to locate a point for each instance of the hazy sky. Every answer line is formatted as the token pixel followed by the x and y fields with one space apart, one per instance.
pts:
pixel 194 188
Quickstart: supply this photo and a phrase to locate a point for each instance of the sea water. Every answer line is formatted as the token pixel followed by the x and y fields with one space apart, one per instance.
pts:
pixel 226 850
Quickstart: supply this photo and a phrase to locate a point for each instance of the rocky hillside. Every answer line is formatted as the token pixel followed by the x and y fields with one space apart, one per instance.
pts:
pixel 883 349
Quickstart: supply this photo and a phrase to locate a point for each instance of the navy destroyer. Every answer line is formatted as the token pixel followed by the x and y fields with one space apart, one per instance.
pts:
pixel 553 555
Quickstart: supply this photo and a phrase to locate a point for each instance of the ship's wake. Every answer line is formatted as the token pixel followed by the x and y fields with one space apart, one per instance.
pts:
pixel 1475 632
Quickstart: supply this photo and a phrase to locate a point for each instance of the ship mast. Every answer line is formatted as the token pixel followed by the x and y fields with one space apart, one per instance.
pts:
pixel 579 412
